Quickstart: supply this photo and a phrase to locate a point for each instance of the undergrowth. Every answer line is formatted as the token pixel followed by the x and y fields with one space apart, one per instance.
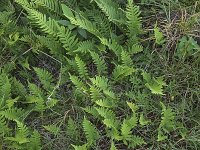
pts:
pixel 99 74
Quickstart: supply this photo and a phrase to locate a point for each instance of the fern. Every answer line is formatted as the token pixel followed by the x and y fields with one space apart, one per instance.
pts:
pixel 52 5
pixel 100 63
pixel 52 129
pixel 82 147
pixel 48 26
pixel 154 84
pixel 91 132
pixel 35 141
pixel 122 71
pixel 133 19
pixel 106 113
pixel 46 78
pixel 13 114
pixel 5 87
pixel 111 9
pixel 100 82
pixel 113 45
pixel 68 40
pixel 168 119
pixel 85 46
pixel 91 110
pixel 126 59
pixel 82 69
pixel 21 135
pixel 95 93
pixel 78 83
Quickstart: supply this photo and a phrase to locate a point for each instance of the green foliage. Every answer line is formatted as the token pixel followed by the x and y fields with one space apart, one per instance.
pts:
pixel 101 46
pixel 91 132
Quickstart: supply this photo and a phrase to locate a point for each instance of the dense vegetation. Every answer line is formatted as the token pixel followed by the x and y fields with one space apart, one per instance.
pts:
pixel 99 74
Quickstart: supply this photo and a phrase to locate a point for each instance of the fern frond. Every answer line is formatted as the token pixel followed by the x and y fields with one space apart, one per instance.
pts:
pixel 90 130
pixel 91 110
pixel 136 141
pixel 82 147
pixel 108 103
pixel 85 46
pixel 52 5
pixel 35 141
pixel 80 21
pixel 133 19
pixel 112 45
pixel 3 126
pixel 13 114
pixel 168 119
pixel 95 93
pixel 105 113
pixel 111 10
pixel 135 48
pixel 100 63
pixel 82 69
pixel 48 26
pixel 68 40
pixel 5 87
pixel 122 71
pixel 100 82
pixel 35 90
pixel 18 88
pixel 72 129
pixel 45 78
pixel 21 135
pixel 78 83
pixel 126 59
pixel 52 129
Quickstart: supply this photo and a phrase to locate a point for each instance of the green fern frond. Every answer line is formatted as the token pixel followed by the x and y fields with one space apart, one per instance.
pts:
pixel 21 135
pixel 52 5
pixel 108 103
pixel 3 126
pixel 68 40
pixel 91 132
pixel 85 46
pixel 136 141
pixel 95 93
pixel 35 141
pixel 46 78
pixel 105 113
pixel 18 88
pixel 80 21
pixel 52 128
pixel 48 26
pixel 72 129
pixel 91 110
pixel 13 114
pixel 35 90
pixel 133 19
pixel 82 147
pixel 168 119
pixel 78 83
pixel 82 69
pixel 112 45
pixel 154 84
pixel 134 49
pixel 5 87
pixel 113 146
pixel 111 10
pixel 121 72
pixel 102 23
pixel 126 59
pixel 100 82
pixel 100 63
